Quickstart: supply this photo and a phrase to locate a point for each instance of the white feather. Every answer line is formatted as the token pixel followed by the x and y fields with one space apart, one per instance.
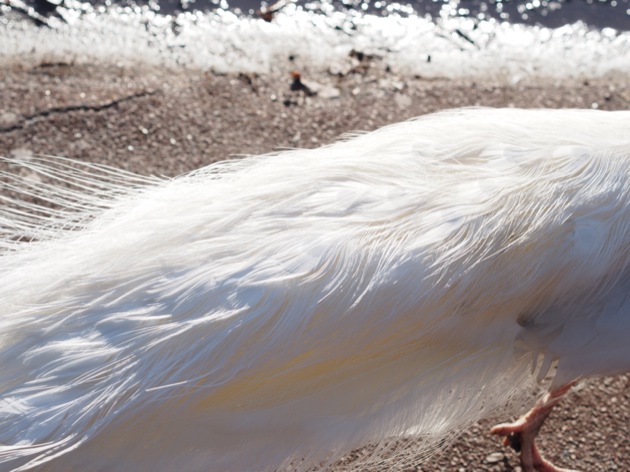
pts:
pixel 297 305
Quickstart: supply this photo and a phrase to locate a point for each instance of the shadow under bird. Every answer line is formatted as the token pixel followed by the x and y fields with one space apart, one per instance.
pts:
pixel 279 310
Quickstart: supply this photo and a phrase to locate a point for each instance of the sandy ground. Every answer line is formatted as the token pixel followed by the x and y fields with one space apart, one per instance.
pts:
pixel 155 121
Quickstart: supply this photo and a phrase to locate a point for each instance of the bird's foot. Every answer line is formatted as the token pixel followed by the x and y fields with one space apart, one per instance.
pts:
pixel 522 440
pixel 521 434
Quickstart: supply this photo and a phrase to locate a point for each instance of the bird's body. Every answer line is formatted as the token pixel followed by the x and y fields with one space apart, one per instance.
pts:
pixel 261 311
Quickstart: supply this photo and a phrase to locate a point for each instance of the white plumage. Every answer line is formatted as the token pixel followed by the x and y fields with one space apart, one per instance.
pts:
pixel 261 311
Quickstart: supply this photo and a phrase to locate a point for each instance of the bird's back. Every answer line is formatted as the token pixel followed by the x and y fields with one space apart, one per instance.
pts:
pixel 299 304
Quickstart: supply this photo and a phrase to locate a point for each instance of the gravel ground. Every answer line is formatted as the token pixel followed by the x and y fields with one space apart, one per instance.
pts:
pixel 166 122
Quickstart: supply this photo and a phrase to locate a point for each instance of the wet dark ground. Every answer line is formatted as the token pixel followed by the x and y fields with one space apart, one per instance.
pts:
pixel 598 14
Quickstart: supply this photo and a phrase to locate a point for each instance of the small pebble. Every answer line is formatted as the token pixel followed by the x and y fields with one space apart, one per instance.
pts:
pixel 495 457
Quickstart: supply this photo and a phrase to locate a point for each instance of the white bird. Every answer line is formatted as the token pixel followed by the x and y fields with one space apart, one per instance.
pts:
pixel 277 311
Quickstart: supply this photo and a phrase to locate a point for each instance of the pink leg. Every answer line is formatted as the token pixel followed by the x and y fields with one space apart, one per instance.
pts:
pixel 521 434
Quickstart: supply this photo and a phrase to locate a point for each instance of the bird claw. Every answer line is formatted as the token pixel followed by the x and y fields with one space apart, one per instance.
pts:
pixel 522 440
pixel 521 434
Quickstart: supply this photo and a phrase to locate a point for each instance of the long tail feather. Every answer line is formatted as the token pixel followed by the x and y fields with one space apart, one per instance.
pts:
pixel 280 310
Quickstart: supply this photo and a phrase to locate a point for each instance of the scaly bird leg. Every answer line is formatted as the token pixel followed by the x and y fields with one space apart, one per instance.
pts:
pixel 521 434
